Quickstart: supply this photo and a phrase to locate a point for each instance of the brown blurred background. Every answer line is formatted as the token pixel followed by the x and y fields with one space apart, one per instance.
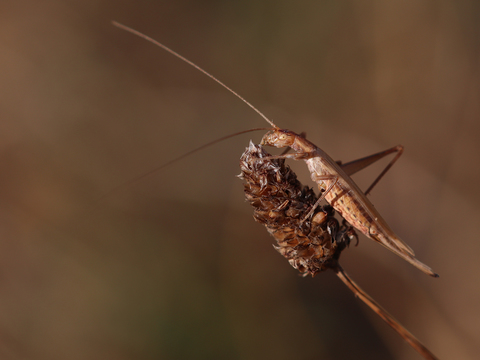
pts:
pixel 174 266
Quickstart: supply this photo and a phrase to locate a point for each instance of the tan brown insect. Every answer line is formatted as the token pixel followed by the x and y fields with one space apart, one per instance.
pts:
pixel 308 235
pixel 340 191
pixel 281 203
pixel 333 180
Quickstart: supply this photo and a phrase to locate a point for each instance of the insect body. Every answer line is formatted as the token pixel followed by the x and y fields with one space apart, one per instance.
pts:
pixel 338 188
pixel 340 191
pixel 307 235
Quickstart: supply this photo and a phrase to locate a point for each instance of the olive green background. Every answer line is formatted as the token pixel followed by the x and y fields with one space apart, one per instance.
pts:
pixel 174 266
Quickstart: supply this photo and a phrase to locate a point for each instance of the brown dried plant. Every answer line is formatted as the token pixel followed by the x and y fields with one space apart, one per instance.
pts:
pixel 280 203
pixel 310 245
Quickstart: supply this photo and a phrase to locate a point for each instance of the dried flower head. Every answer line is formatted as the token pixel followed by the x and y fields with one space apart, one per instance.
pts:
pixel 280 202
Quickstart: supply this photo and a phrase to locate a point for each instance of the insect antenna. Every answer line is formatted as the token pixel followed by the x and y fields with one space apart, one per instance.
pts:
pixel 133 181
pixel 155 42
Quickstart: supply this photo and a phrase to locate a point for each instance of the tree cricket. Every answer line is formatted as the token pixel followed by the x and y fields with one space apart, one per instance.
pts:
pixel 333 179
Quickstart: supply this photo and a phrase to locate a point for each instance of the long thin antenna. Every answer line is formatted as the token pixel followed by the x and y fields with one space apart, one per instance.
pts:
pixel 158 168
pixel 143 36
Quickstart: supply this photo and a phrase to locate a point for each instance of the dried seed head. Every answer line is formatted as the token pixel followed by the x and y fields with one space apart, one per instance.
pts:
pixel 280 202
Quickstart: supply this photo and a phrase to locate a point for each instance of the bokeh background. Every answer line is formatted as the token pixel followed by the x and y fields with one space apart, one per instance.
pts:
pixel 173 266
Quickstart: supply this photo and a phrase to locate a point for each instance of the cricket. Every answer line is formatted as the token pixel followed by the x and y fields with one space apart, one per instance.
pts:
pixel 307 234
pixel 333 179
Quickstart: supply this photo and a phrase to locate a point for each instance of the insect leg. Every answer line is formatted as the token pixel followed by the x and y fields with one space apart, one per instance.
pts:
pixel 322 196
pixel 356 165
